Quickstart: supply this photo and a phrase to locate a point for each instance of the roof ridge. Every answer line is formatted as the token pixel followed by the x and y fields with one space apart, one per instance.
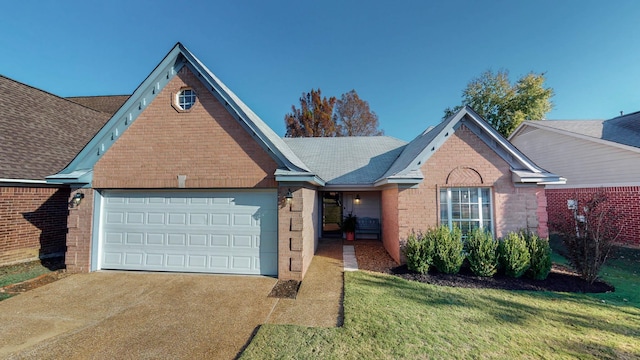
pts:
pixel 50 93
pixel 87 96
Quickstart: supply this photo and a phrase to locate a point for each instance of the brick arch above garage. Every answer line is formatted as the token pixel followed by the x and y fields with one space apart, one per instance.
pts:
pixel 206 144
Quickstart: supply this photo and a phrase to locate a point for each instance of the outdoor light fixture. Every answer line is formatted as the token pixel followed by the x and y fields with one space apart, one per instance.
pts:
pixel 77 199
pixel 289 196
pixel 358 199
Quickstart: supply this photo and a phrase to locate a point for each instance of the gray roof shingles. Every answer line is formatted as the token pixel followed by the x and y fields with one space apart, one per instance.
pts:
pixel 623 129
pixel 359 160
pixel 40 133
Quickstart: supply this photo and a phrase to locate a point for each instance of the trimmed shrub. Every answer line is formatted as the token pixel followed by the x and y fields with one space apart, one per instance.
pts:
pixel 482 252
pixel 514 255
pixel 448 249
pixel 540 256
pixel 419 253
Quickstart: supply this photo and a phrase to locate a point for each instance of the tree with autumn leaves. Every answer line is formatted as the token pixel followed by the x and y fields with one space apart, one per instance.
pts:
pixel 319 116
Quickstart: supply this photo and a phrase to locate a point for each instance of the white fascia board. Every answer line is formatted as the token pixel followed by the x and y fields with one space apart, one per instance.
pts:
pixel 433 145
pixel 258 128
pixel 23 181
pixel 359 187
pixel 399 181
pixel 501 141
pixel 130 110
pixel 74 177
pixel 523 177
pixel 305 178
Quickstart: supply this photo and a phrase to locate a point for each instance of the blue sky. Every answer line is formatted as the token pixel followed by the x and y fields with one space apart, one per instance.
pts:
pixel 409 59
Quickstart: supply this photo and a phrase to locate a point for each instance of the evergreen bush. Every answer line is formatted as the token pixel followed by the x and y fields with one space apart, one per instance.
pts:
pixel 419 253
pixel 448 249
pixel 540 256
pixel 514 255
pixel 482 252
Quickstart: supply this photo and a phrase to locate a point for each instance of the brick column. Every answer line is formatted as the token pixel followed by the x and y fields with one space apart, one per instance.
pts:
pixel 79 223
pixel 290 238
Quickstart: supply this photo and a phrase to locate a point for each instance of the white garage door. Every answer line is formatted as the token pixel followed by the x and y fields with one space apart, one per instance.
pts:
pixel 214 231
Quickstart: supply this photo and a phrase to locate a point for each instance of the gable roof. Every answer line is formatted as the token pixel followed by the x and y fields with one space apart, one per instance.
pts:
pixel 81 167
pixel 347 161
pixel 40 132
pixel 622 131
pixel 107 104
pixel 406 168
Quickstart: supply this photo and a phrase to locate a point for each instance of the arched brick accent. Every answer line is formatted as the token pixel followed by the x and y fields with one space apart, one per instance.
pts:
pixel 464 176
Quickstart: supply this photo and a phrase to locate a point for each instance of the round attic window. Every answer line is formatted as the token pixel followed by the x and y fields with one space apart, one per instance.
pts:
pixel 186 98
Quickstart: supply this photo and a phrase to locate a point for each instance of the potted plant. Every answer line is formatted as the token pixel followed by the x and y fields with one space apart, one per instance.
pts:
pixel 349 224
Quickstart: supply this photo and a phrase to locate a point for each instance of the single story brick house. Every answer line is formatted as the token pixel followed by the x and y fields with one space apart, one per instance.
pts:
pixel 39 135
pixel 594 155
pixel 185 177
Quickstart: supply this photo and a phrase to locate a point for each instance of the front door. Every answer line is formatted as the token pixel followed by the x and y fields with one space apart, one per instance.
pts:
pixel 331 214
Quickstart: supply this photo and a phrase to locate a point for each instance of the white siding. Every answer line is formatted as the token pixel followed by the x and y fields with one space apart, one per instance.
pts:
pixel 582 162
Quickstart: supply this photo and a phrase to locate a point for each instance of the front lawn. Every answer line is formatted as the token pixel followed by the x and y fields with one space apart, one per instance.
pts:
pixel 390 318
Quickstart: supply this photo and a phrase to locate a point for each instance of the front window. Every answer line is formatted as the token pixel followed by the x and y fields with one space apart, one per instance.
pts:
pixel 466 208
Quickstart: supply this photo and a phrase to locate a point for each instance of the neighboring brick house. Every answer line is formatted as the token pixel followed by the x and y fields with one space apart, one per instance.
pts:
pixel 39 135
pixel 594 156
pixel 185 177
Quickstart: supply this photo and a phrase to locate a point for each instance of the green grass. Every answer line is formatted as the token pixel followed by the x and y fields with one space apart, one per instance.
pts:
pixel 14 274
pixel 389 318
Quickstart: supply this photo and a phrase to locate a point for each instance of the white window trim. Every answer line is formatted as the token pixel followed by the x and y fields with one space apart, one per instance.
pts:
pixel 481 219
pixel 178 104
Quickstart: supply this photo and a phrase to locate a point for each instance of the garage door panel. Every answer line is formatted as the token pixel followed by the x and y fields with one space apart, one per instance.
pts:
pixel 155 218
pixel 134 239
pixel 190 231
pixel 115 217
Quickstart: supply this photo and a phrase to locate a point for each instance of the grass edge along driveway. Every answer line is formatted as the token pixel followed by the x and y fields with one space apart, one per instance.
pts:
pixel 389 318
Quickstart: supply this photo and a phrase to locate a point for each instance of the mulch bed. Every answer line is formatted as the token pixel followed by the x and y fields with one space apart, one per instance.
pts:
pixel 559 279
pixel 371 256
pixel 285 289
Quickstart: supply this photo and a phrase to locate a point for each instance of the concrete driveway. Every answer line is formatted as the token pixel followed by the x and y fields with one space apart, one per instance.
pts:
pixel 129 315
pixel 116 315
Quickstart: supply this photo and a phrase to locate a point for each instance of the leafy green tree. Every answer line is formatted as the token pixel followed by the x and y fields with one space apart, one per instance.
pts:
pixel 504 105
pixel 314 118
pixel 354 117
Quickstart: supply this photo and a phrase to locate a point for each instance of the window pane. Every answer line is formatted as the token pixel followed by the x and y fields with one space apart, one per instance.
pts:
pixel 486 211
pixel 474 196
pixel 455 196
pixel 486 197
pixel 466 212
pixel 475 211
pixel 456 211
pixel 443 196
pixel 487 225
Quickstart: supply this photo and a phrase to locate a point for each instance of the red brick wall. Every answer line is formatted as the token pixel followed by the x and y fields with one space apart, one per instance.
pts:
pixel 291 241
pixel 390 228
pixel 625 199
pixel 32 222
pixel 80 222
pixel 206 144
pixel 465 160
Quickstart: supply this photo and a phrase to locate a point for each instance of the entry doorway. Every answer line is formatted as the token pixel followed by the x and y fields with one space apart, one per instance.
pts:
pixel 331 214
